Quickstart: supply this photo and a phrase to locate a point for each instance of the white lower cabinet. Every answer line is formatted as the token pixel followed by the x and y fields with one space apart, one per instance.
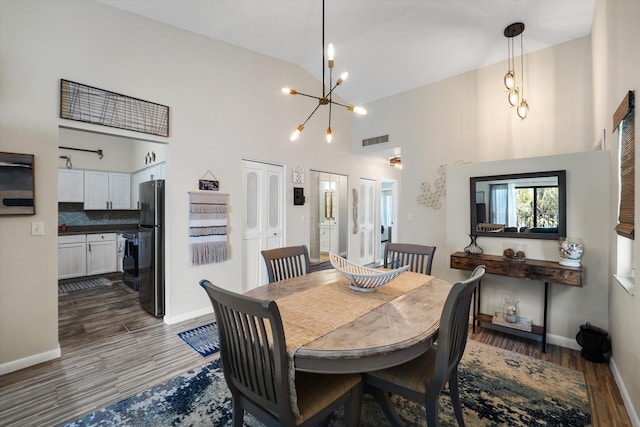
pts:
pixel 72 256
pixel 101 253
pixel 87 254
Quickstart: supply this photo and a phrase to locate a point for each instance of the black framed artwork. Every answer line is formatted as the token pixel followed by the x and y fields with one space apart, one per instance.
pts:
pixel 17 184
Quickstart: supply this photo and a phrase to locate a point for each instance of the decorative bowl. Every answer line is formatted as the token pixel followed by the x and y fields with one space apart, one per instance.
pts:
pixel 364 279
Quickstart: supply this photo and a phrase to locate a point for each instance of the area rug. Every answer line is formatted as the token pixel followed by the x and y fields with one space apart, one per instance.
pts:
pixel 497 388
pixel 84 284
pixel 203 339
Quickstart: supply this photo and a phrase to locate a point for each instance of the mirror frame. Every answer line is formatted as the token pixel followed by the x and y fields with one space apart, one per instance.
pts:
pixel 562 204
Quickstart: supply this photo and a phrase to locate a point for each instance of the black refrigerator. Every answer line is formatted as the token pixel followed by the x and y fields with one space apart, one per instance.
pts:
pixel 151 247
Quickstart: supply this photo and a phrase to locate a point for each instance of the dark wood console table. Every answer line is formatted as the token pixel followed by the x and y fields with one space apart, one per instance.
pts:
pixel 532 269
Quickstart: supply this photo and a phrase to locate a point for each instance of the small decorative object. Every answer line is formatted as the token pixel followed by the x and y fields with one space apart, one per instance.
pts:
pixel 364 279
pixel 473 248
pixel 209 185
pixel 514 252
pixel 510 311
pixel 297 175
pixel 571 250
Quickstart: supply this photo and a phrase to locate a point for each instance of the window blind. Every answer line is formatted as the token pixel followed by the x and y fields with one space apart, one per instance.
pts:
pixel 623 121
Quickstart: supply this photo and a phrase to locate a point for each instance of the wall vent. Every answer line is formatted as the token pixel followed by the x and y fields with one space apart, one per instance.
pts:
pixel 375 140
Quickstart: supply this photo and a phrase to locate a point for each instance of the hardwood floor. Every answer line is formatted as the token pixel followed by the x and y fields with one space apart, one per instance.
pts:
pixel 112 349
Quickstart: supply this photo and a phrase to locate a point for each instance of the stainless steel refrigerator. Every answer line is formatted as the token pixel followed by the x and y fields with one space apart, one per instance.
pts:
pixel 151 247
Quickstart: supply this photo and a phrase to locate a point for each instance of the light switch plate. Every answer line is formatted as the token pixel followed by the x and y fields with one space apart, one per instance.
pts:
pixel 37 228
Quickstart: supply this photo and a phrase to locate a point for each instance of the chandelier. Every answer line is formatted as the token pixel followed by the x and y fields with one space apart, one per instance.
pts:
pixel 396 162
pixel 515 96
pixel 327 97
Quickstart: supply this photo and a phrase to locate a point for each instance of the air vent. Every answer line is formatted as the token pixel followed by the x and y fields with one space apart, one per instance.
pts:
pixel 375 140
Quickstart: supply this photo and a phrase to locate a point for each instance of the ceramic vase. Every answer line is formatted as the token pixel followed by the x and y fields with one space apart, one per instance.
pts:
pixel 570 250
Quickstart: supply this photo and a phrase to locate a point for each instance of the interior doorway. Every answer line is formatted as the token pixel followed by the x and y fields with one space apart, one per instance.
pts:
pixel 328 216
pixel 388 213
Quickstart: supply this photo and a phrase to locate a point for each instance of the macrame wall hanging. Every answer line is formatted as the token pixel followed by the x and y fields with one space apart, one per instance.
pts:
pixel 207 227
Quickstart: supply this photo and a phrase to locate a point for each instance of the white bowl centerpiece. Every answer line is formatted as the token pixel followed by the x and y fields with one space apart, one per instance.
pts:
pixel 364 279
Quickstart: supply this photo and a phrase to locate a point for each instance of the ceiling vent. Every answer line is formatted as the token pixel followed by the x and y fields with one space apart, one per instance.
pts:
pixel 375 140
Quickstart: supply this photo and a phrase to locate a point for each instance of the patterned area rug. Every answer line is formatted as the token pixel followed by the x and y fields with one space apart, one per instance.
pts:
pixel 497 388
pixel 84 284
pixel 203 339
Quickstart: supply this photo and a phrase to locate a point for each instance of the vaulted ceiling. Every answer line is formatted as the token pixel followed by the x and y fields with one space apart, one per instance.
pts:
pixel 388 46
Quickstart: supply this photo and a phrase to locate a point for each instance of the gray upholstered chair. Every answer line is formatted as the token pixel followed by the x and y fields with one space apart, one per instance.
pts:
pixel 255 365
pixel 285 263
pixel 423 378
pixel 419 257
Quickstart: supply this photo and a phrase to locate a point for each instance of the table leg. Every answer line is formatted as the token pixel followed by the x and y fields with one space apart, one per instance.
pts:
pixel 544 317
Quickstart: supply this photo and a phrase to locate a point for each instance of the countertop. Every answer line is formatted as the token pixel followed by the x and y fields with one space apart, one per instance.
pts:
pixel 105 228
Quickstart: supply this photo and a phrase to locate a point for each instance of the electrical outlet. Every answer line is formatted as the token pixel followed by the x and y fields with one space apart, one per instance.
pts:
pixel 37 228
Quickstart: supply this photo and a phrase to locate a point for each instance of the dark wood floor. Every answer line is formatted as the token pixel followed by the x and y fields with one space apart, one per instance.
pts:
pixel 112 349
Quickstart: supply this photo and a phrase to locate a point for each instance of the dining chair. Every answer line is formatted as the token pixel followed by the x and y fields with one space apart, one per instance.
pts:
pixel 285 263
pixel 492 228
pixel 419 257
pixel 422 379
pixel 255 364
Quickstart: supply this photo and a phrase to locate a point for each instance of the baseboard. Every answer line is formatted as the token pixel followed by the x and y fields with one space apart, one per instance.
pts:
pixel 16 365
pixel 563 342
pixel 633 415
pixel 170 320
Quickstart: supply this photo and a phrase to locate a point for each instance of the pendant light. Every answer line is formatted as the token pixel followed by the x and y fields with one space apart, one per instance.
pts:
pixel 515 96
pixel 326 98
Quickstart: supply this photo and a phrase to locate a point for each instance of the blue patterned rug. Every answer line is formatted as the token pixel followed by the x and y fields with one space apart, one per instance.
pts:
pixel 497 388
pixel 203 339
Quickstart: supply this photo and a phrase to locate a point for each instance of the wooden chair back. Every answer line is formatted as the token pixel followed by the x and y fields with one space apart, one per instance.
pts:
pixel 285 263
pixel 418 257
pixel 492 228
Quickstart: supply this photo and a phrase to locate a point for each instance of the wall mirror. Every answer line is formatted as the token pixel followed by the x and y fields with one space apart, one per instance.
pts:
pixel 328 216
pixel 524 205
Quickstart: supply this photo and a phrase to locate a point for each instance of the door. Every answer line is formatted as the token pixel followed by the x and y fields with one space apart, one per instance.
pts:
pixel 262 218
pixel 367 221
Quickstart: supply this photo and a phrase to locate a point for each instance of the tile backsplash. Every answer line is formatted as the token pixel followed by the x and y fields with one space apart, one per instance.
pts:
pixel 73 214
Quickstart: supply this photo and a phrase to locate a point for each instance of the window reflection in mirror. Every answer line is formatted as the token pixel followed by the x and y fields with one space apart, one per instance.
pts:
pixel 527 205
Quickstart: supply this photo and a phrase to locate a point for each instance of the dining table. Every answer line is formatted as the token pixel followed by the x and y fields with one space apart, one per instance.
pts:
pixel 332 329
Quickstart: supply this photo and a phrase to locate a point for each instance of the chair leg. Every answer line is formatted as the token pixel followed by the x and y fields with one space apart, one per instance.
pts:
pixel 432 408
pixel 455 397
pixel 383 399
pixel 237 414
pixel 353 407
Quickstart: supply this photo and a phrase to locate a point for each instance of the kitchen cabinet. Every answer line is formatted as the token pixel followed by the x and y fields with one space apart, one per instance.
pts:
pixel 70 185
pixel 144 175
pixel 72 256
pixel 101 253
pixel 107 190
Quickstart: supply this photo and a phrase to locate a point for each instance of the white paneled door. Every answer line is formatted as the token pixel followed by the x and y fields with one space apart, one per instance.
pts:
pixel 367 219
pixel 262 218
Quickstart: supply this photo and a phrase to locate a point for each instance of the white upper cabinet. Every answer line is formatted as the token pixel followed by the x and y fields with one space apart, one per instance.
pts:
pixel 147 174
pixel 70 185
pixel 107 190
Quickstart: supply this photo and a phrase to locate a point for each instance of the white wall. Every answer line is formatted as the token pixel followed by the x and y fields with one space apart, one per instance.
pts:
pixel 225 105
pixel 616 70
pixel 569 307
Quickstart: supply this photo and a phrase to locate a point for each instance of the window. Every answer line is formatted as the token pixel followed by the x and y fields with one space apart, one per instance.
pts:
pixel 623 122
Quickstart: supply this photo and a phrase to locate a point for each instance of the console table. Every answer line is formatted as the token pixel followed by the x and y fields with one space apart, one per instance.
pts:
pixel 532 269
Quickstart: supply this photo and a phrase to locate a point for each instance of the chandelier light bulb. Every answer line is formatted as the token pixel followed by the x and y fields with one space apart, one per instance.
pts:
pixel 523 109
pixel 342 78
pixel 289 91
pixel 510 80
pixel 296 133
pixel 357 110
pixel 514 97
pixel 330 54
pixel 329 135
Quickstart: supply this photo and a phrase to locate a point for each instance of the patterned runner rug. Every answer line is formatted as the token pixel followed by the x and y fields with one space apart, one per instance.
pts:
pixel 497 388
pixel 84 284
pixel 203 339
